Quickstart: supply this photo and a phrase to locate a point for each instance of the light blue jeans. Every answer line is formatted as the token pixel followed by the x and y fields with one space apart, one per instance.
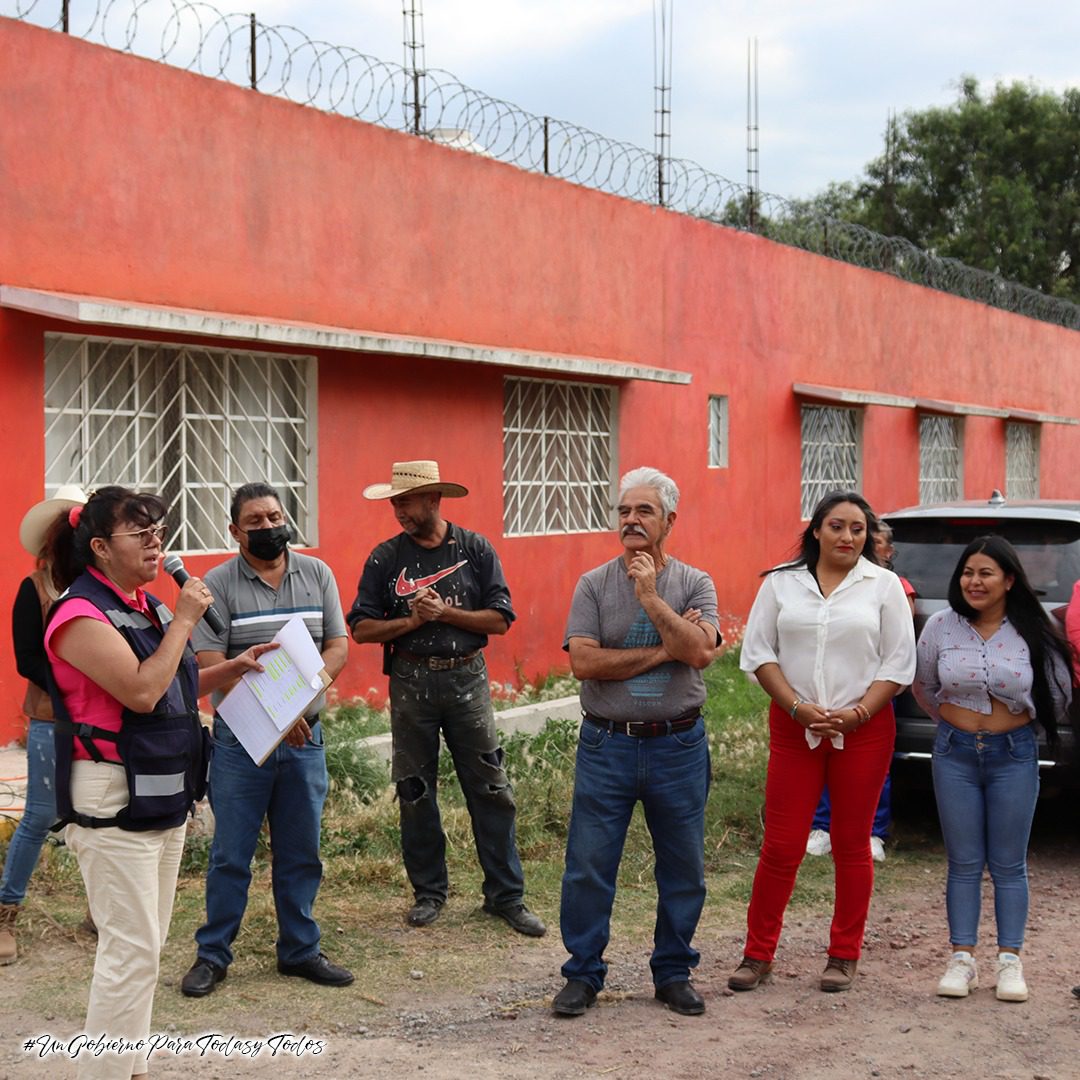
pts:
pixel 39 815
pixel 986 788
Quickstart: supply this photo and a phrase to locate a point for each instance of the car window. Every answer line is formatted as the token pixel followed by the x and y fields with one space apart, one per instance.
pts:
pixel 927 552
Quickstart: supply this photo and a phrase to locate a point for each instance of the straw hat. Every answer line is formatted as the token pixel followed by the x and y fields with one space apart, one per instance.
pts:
pixel 36 522
pixel 414 477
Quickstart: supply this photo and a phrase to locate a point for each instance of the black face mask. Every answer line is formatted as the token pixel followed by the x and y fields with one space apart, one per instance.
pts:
pixel 268 544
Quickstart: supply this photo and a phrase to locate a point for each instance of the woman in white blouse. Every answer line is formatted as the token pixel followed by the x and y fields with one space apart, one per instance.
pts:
pixel 990 665
pixel 830 639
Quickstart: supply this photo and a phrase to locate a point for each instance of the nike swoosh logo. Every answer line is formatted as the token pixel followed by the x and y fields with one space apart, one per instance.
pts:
pixel 405 586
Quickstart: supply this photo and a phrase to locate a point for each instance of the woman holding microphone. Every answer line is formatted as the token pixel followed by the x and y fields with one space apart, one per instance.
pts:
pixel 131 750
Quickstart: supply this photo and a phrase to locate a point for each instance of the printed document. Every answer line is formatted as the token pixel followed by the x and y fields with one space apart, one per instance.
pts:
pixel 263 705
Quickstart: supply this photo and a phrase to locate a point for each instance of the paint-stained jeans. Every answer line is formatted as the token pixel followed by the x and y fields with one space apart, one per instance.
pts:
pixel 458 703
pixel 38 816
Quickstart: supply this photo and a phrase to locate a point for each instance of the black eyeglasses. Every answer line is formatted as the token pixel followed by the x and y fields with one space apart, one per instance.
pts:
pixel 146 536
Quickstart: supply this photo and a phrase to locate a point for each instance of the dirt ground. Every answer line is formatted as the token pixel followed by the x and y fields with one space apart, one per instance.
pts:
pixel 890 1025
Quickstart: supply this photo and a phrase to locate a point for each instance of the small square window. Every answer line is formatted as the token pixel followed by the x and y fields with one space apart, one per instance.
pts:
pixel 718 431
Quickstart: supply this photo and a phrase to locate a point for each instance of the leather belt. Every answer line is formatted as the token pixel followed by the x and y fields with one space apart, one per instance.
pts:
pixel 437 663
pixel 646 729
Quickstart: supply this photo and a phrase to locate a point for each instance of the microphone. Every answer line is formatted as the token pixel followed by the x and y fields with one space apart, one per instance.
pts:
pixel 174 566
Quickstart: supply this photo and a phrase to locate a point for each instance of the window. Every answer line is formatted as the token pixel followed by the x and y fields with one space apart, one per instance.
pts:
pixel 718 432
pixel 830 453
pixel 1022 461
pixel 558 457
pixel 940 459
pixel 188 423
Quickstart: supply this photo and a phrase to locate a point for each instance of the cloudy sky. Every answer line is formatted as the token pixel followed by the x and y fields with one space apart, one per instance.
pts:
pixel 829 70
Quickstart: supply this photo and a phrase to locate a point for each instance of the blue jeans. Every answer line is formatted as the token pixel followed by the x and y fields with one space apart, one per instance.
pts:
pixel 457 702
pixel 38 816
pixel 882 816
pixel 669 774
pixel 986 788
pixel 289 790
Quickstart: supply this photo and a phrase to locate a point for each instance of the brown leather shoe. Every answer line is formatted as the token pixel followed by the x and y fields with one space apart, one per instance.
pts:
pixel 750 974
pixel 9 950
pixel 838 974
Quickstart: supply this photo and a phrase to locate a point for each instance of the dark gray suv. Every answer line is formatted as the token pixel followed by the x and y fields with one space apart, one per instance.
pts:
pixel 929 540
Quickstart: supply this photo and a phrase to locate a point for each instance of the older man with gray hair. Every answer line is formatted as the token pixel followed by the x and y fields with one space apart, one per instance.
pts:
pixel 641 629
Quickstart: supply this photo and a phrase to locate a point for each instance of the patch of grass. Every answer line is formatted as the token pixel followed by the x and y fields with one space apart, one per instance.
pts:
pixel 365 893
pixel 532 691
pixel 356 719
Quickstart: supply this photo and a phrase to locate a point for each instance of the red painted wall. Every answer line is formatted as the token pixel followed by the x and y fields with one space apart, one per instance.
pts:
pixel 128 179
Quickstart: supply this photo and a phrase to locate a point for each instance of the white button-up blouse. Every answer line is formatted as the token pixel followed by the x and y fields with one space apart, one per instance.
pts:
pixel 830 649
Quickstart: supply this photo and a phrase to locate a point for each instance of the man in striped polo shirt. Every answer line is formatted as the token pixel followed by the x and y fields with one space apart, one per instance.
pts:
pixel 257 592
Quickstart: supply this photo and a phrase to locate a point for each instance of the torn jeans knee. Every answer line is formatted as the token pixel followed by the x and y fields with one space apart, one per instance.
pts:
pixel 411 789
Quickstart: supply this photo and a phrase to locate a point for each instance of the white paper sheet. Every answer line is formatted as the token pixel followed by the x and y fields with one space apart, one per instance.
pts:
pixel 265 704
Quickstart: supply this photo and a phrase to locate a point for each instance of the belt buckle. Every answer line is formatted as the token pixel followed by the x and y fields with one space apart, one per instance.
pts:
pixel 440 663
pixel 631 724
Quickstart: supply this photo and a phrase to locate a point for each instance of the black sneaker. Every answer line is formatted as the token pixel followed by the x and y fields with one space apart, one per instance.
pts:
pixel 520 918
pixel 424 912
pixel 318 970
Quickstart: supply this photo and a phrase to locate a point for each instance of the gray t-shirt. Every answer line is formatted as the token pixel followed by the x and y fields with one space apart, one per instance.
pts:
pixel 254 613
pixel 606 610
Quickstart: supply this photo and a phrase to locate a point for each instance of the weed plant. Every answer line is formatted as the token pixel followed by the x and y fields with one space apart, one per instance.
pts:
pixel 364 892
pixel 361 843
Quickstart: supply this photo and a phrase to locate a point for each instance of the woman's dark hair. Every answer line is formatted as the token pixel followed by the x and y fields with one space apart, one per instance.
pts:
pixel 1043 639
pixel 808 549
pixel 56 554
pixel 68 550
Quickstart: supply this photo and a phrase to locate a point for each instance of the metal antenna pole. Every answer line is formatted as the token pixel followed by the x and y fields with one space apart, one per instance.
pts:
pixel 663 14
pixel 413 16
pixel 753 174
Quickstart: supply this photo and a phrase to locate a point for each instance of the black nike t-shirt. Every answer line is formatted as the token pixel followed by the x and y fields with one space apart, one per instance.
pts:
pixel 464 570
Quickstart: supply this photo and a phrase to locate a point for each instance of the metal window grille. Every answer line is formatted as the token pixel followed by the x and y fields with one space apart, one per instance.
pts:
pixel 830 453
pixel 1022 461
pixel 718 432
pixel 558 457
pixel 940 459
pixel 187 423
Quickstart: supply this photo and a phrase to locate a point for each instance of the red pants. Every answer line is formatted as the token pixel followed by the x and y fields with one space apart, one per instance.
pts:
pixel 795 780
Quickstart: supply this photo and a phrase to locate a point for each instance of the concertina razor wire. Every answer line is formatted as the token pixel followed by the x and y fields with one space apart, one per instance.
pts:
pixel 282 60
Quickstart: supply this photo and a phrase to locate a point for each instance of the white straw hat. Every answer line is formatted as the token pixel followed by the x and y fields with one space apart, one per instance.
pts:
pixel 38 519
pixel 414 477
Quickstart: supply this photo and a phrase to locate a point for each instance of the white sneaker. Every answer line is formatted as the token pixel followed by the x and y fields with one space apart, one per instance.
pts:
pixel 877 849
pixel 1010 978
pixel 960 976
pixel 819 843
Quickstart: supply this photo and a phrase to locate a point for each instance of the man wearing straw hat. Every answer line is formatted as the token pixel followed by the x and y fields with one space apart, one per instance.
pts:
pixel 431 596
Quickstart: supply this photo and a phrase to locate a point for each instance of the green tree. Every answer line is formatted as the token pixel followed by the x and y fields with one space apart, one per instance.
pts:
pixel 992 181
